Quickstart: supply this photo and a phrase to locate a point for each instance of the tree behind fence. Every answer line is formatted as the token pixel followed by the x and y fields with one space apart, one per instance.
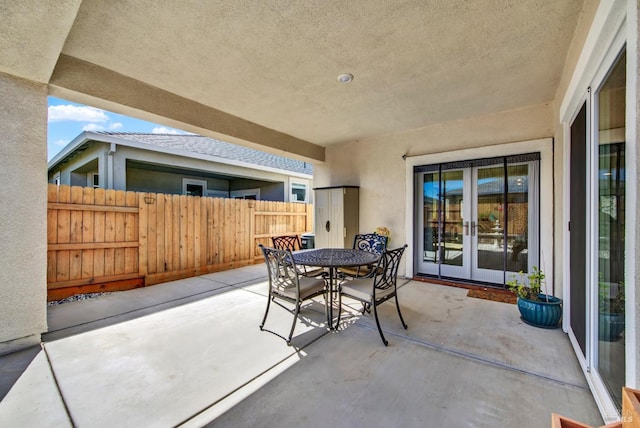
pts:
pixel 112 240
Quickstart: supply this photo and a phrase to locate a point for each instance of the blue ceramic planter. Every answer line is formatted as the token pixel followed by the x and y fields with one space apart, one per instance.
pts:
pixel 610 326
pixel 541 313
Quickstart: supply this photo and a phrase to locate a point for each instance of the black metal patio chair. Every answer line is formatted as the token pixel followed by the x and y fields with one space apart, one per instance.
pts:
pixel 378 289
pixel 286 284
pixel 371 242
pixel 292 243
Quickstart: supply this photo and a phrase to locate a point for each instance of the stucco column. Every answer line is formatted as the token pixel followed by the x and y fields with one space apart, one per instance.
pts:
pixel 119 171
pixel 23 213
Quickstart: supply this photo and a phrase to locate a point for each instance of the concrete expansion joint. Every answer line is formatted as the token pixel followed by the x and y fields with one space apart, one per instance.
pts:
pixel 55 381
pixel 478 359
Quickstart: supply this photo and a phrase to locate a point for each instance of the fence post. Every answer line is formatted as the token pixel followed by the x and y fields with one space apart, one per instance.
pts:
pixel 142 234
pixel 252 227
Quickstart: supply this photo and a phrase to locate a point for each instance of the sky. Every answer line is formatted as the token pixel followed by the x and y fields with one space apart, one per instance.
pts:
pixel 68 119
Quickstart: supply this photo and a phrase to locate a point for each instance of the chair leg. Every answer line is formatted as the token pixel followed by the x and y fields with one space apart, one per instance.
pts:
pixel 264 319
pixel 339 312
pixel 325 295
pixel 339 307
pixel 293 325
pixel 375 313
pixel 366 308
pixel 399 313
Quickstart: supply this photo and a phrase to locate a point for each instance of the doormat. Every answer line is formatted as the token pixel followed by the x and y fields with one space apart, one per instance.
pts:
pixel 494 295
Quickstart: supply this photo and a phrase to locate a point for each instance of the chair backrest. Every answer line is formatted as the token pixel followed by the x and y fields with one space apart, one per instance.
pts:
pixel 283 274
pixel 371 242
pixel 387 268
pixel 286 242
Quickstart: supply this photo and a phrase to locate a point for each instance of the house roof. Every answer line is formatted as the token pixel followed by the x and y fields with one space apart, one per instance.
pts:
pixel 190 145
pixel 211 147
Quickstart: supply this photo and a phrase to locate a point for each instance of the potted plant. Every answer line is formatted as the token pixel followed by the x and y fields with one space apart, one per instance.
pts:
pixel 536 308
pixel 610 310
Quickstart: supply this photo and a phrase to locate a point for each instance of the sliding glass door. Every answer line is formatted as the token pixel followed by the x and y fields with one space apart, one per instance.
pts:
pixel 597 230
pixel 609 155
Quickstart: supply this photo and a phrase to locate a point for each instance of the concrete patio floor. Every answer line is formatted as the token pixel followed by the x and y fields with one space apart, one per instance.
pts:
pixel 189 353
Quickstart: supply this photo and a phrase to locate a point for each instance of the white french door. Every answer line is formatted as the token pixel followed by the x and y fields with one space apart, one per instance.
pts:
pixel 446 241
pixel 479 218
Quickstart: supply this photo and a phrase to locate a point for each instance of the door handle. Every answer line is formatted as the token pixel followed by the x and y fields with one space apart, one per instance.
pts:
pixel 473 228
pixel 466 228
pixel 327 226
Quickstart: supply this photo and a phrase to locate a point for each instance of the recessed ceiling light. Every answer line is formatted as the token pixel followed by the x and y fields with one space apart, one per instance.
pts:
pixel 345 78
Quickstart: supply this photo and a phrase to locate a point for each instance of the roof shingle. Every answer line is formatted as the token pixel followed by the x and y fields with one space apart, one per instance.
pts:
pixel 212 147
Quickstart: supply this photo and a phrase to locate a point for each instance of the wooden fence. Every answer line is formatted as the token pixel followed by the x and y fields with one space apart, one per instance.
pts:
pixel 100 240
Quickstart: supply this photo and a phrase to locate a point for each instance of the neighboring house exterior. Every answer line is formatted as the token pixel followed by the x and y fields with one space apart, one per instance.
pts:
pixel 186 164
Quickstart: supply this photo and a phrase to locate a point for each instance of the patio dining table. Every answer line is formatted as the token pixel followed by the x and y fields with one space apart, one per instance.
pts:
pixel 334 258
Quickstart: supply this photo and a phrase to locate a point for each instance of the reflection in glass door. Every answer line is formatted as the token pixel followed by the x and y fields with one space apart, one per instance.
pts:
pixel 503 220
pixel 477 221
pixel 488 239
pixel 610 185
pixel 445 244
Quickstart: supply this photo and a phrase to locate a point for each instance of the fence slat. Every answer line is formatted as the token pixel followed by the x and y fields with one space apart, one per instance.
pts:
pixel 64 225
pixel 151 210
pixel 190 232
pixel 109 233
pixel 98 233
pixel 159 229
pixel 87 227
pixel 120 234
pixel 131 234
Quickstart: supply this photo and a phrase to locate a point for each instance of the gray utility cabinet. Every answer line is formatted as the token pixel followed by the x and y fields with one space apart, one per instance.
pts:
pixel 336 216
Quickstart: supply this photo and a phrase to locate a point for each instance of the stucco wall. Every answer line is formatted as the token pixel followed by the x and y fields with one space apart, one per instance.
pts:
pixel 377 165
pixel 23 215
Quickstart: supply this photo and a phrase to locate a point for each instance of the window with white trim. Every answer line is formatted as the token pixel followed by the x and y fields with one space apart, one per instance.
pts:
pixel 93 180
pixel 193 187
pixel 246 194
pixel 299 192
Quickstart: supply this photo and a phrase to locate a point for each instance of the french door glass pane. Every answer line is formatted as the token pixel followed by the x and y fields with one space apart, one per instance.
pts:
pixel 430 211
pixel 491 218
pixel 610 251
pixel 518 218
pixel 452 203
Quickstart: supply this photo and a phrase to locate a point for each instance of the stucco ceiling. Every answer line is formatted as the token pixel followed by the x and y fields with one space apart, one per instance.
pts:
pixel 275 63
